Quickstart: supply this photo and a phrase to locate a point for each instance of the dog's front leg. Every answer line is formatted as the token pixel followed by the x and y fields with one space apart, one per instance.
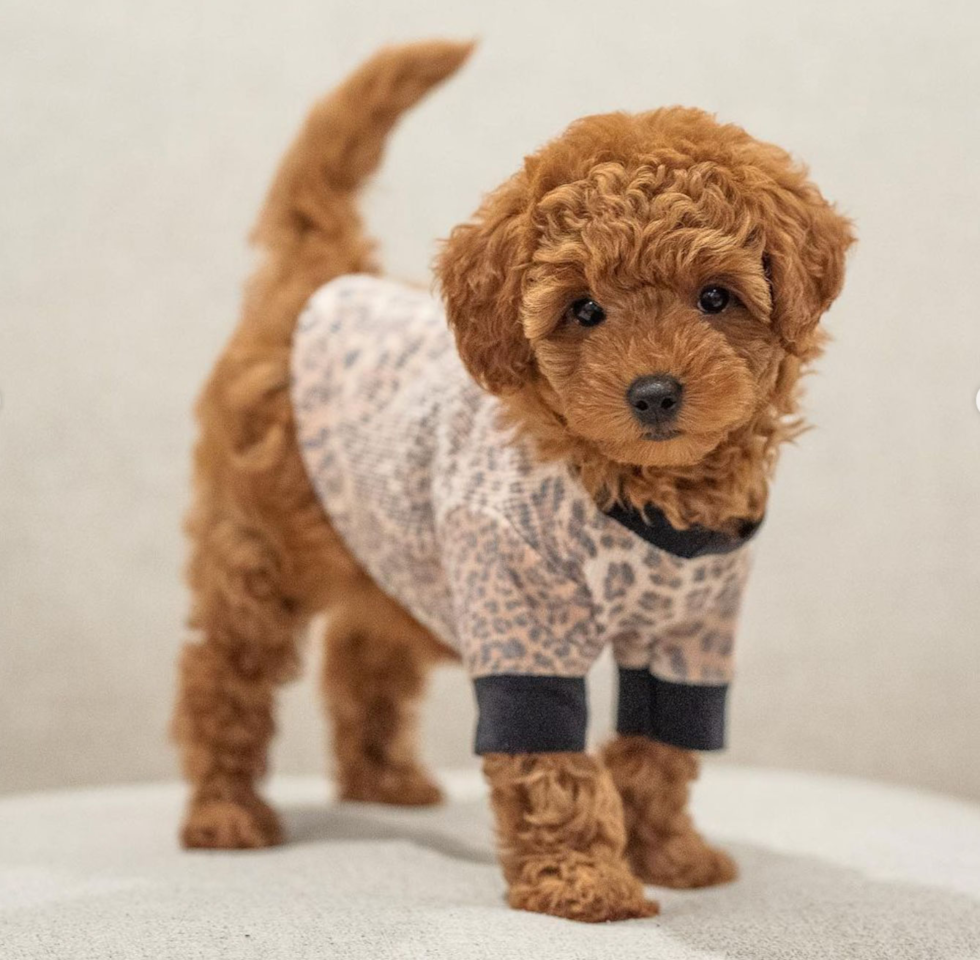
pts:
pixel 663 847
pixel 562 838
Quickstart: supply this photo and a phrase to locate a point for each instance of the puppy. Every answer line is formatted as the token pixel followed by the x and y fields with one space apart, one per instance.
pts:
pixel 583 464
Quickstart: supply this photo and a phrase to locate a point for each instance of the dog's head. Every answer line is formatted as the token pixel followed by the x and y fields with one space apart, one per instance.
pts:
pixel 647 275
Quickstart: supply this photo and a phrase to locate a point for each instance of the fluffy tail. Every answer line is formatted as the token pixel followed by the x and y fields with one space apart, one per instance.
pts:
pixel 313 195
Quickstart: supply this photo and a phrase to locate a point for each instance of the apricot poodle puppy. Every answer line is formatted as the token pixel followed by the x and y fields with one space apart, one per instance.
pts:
pixel 581 462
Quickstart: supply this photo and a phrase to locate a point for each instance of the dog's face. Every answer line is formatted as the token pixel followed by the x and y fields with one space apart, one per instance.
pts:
pixel 647 275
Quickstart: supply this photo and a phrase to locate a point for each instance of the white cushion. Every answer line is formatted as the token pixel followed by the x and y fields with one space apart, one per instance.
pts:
pixel 831 868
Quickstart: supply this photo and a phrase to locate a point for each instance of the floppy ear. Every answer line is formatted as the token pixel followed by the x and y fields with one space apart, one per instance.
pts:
pixel 805 243
pixel 481 271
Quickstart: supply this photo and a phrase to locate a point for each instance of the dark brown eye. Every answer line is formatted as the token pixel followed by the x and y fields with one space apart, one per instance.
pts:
pixel 713 299
pixel 586 312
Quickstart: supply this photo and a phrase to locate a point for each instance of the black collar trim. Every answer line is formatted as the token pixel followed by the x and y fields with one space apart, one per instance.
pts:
pixel 651 524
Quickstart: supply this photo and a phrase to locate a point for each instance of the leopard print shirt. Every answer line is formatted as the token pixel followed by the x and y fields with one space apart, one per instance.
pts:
pixel 504 558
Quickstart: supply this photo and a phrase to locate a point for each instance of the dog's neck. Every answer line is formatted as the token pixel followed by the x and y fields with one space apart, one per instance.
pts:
pixel 722 490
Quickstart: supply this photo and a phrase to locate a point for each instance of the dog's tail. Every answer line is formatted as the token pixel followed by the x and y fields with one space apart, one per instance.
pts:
pixel 312 199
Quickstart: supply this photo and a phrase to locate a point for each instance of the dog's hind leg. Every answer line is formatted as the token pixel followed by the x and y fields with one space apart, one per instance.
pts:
pixel 663 846
pixel 265 557
pixel 224 715
pixel 376 662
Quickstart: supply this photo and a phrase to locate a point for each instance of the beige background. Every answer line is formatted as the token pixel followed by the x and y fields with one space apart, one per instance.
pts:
pixel 136 142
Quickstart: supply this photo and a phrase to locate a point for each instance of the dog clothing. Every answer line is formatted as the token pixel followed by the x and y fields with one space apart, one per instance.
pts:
pixel 503 557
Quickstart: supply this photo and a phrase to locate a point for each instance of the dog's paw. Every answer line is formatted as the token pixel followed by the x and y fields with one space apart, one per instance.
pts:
pixel 230 825
pixel 576 887
pixel 682 861
pixel 406 786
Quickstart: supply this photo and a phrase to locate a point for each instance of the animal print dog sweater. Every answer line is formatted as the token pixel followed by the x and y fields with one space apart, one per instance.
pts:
pixel 505 558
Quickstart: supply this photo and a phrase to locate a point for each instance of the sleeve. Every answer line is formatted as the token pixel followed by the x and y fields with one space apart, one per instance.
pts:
pixel 526 634
pixel 672 622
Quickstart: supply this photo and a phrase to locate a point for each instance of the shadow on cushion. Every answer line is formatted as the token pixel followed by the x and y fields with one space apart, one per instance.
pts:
pixel 783 906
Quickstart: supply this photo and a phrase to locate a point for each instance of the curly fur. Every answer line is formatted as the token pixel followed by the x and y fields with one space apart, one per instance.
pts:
pixel 634 210
pixel 562 838
pixel 265 559
pixel 639 212
pixel 663 847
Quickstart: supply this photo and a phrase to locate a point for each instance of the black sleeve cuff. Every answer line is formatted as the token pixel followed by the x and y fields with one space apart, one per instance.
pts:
pixel 686 715
pixel 528 714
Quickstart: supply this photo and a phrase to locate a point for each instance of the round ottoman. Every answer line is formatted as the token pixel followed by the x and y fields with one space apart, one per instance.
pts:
pixel 831 868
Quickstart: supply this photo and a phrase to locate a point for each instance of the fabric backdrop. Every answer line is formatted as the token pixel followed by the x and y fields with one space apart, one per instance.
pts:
pixel 136 142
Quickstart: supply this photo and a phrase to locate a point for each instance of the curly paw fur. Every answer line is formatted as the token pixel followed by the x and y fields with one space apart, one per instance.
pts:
pixel 226 824
pixel 561 836
pixel 662 846
pixel 578 887
pixel 682 861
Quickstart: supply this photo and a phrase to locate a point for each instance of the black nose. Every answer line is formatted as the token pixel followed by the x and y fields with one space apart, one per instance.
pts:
pixel 655 400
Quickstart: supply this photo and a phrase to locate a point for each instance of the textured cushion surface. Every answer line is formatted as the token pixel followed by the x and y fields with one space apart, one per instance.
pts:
pixel 831 868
